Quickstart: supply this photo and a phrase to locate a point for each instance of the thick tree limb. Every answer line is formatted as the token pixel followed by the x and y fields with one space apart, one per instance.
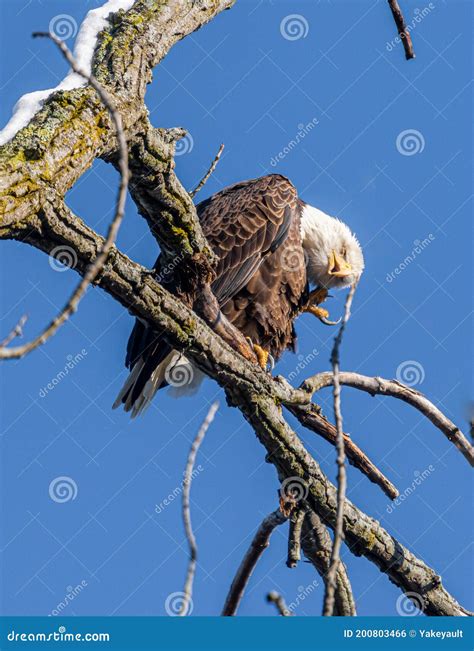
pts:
pixel 73 128
pixel 330 584
pixel 259 543
pixel 395 389
pixel 95 267
pixel 188 476
pixel 317 544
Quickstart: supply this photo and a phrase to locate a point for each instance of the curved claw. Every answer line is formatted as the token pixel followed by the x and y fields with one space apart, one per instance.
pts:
pixel 271 362
pixel 327 322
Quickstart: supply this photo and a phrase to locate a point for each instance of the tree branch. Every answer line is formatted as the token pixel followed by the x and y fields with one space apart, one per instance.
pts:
pixel 16 332
pixel 206 177
pixel 317 545
pixel 330 585
pixel 402 29
pixel 276 598
pixel 259 543
pixel 188 477
pixel 294 538
pixel 310 417
pixel 395 389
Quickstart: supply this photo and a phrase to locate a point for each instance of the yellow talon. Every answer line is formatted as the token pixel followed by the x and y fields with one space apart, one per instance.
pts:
pixel 319 312
pixel 262 356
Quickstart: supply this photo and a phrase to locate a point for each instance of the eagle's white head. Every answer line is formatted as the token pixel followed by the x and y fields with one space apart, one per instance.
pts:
pixel 334 256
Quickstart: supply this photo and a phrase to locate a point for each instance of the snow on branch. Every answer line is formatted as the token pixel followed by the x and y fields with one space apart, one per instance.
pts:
pixel 28 105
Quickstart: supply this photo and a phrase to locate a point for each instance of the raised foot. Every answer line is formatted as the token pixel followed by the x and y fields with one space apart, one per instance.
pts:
pixel 322 315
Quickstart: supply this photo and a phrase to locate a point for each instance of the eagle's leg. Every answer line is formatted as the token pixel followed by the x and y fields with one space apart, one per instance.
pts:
pixel 316 297
pixel 207 307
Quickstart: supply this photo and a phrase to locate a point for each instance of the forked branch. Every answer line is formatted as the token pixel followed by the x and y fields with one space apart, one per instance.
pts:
pixel 395 389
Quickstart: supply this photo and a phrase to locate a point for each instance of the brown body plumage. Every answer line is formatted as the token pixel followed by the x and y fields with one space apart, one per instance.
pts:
pixel 258 241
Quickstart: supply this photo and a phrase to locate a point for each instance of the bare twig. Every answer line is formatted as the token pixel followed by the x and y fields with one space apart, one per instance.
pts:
pixel 276 598
pixel 402 29
pixel 316 543
pixel 395 389
pixel 328 608
pixel 310 417
pixel 188 475
pixel 16 332
pixel 95 268
pixel 260 542
pixel 294 538
pixel 206 177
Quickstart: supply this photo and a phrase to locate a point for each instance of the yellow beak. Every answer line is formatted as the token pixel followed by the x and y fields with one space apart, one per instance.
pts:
pixel 338 266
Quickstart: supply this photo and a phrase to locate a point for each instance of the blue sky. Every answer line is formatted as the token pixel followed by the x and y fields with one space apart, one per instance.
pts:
pixel 241 82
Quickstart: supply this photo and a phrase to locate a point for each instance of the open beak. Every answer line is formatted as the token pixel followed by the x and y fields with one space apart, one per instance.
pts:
pixel 338 266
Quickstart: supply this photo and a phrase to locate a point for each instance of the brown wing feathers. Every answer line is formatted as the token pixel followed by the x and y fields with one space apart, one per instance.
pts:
pixel 254 228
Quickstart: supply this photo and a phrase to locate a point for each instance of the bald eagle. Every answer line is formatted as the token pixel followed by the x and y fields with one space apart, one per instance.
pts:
pixel 277 257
